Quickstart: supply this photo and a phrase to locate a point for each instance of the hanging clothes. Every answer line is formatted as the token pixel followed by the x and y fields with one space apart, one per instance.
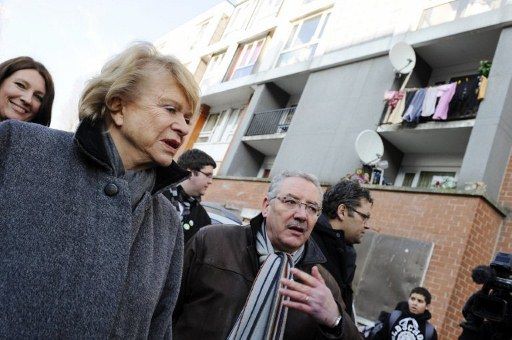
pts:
pixel 482 87
pixel 414 110
pixel 445 94
pixel 429 103
pixel 409 95
pixel 396 105
pixel 465 100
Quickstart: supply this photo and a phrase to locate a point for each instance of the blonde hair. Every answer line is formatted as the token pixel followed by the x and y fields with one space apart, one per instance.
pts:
pixel 121 76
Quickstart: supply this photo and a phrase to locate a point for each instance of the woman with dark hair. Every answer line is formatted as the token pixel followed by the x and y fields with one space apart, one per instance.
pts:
pixel 26 91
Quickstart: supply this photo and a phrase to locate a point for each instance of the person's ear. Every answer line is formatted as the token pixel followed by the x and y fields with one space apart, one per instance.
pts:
pixel 265 206
pixel 341 212
pixel 117 110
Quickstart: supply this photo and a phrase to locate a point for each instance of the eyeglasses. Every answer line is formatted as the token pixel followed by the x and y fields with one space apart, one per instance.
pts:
pixel 292 203
pixel 207 175
pixel 365 217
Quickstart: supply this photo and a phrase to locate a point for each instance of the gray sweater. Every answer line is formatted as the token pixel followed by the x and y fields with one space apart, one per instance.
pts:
pixel 83 252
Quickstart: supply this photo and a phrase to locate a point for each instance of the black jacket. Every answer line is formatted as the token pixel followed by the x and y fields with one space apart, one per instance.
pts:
pixel 197 216
pixel 341 258
pixel 407 324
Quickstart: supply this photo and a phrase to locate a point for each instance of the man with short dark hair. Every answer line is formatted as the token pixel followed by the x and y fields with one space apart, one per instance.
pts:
pixel 264 280
pixel 409 320
pixel 186 197
pixel 345 213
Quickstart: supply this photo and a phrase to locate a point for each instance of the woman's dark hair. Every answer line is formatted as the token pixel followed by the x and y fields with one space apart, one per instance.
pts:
pixel 7 68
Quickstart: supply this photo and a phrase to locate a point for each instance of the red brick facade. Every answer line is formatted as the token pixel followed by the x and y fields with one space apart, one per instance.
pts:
pixel 464 230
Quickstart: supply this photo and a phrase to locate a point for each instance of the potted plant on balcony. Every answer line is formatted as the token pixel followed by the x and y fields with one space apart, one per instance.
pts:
pixel 484 68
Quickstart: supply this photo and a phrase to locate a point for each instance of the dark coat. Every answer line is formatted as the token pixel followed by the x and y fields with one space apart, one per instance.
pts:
pixel 341 258
pixel 221 264
pixel 197 217
pixel 75 260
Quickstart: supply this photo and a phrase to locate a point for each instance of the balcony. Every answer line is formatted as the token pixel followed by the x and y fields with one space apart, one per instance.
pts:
pixel 429 136
pixel 270 122
pixel 267 130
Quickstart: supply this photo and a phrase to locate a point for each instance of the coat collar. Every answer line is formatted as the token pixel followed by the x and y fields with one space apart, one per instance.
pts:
pixel 324 227
pixel 90 142
pixel 313 254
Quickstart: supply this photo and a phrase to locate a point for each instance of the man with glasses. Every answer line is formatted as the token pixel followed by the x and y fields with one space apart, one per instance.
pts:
pixel 345 213
pixel 264 280
pixel 186 197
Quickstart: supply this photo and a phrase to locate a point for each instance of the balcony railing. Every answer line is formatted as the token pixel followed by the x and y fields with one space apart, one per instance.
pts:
pixel 270 122
pixel 463 105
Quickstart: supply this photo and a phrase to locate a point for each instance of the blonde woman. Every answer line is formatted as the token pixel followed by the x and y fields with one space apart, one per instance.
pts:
pixel 90 246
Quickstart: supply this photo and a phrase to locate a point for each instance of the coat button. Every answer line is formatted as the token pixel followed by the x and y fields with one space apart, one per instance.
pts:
pixel 111 189
pixel 338 235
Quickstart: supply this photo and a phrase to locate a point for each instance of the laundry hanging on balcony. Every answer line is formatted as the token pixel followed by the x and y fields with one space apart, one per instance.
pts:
pixel 457 99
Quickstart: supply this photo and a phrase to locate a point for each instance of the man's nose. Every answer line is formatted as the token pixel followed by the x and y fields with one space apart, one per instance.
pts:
pixel 300 212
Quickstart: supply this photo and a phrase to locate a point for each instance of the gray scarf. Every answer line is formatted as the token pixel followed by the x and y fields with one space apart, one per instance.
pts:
pixel 263 316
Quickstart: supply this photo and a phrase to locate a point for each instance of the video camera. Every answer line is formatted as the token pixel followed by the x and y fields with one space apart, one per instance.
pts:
pixel 488 312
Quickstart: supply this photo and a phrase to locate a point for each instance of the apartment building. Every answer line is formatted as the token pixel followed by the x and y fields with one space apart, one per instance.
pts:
pixel 289 84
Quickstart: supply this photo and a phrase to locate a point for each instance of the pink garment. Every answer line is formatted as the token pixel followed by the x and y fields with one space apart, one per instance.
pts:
pixel 445 92
pixel 393 97
pixel 396 106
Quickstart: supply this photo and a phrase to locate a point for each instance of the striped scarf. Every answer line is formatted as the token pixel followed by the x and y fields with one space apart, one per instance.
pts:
pixel 263 316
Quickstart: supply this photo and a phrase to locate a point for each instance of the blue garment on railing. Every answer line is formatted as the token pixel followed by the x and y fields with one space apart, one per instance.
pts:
pixel 413 112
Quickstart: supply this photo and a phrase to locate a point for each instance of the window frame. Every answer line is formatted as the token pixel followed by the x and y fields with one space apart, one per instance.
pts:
pixel 213 76
pixel 221 133
pixel 417 170
pixel 236 64
pixel 290 46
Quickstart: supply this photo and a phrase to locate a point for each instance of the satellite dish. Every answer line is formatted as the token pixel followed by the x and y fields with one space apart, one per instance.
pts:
pixel 369 147
pixel 402 57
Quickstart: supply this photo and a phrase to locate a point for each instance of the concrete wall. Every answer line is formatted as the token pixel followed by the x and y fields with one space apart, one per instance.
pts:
pixel 241 159
pixel 336 105
pixel 489 145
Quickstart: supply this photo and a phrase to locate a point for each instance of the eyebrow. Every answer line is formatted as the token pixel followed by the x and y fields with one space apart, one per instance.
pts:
pixel 308 202
pixel 26 83
pixel 178 106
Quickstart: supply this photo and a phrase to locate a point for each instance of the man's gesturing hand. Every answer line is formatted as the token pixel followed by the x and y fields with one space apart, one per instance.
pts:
pixel 310 295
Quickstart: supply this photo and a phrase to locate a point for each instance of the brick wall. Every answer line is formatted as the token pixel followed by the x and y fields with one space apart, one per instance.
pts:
pixel 464 230
pixel 505 199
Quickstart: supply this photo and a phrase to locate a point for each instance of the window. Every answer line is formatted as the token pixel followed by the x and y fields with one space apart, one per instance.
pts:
pixel 408 179
pixel 220 127
pixel 266 9
pixel 303 40
pixel 239 18
pixel 199 35
pixel 433 179
pixel 428 177
pixel 208 128
pixel 232 122
pixel 214 72
pixel 245 60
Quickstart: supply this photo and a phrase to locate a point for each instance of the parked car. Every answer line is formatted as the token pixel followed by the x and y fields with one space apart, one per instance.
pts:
pixel 221 215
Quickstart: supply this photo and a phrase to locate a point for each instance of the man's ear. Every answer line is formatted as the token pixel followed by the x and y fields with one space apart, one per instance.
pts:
pixel 116 107
pixel 341 212
pixel 265 206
